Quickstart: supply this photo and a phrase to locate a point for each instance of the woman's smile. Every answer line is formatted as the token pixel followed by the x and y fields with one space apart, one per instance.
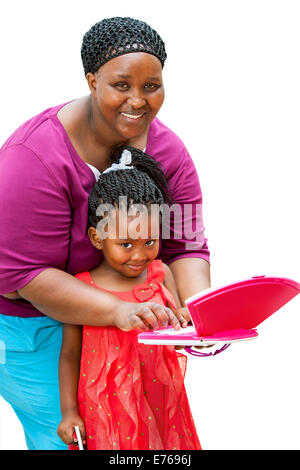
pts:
pixel 132 116
pixel 127 94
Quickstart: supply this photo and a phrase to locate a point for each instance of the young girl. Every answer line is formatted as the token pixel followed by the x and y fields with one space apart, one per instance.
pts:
pixel 130 396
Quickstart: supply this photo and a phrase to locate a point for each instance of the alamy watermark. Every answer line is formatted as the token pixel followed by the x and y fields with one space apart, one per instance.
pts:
pixel 178 222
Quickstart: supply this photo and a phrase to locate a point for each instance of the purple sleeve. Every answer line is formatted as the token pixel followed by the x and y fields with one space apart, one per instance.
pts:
pixel 186 228
pixel 35 219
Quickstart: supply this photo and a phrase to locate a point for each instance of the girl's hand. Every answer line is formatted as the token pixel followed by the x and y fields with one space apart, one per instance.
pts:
pixel 183 316
pixel 66 429
pixel 184 313
pixel 145 316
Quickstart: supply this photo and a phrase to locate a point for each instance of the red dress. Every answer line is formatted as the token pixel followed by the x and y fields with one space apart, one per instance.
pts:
pixel 132 396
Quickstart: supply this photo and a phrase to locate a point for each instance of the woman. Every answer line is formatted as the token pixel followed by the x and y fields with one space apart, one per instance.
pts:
pixel 47 169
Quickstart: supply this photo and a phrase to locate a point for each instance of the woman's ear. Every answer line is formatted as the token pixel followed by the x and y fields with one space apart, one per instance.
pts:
pixel 92 80
pixel 95 239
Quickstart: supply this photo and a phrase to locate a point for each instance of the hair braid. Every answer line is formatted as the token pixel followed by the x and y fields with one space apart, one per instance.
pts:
pixel 145 183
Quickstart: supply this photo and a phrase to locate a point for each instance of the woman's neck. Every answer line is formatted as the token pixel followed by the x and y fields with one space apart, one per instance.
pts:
pixel 91 145
pixel 91 139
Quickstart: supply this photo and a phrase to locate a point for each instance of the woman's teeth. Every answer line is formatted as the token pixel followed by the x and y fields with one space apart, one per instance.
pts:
pixel 132 116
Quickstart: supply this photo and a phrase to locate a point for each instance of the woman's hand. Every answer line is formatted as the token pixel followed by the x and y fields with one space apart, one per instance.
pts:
pixel 66 427
pixel 145 316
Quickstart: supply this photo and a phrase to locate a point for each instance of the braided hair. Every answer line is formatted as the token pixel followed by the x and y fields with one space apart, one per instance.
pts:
pixel 145 184
pixel 116 36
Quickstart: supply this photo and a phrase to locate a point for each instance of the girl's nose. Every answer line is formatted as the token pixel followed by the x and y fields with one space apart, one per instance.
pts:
pixel 139 256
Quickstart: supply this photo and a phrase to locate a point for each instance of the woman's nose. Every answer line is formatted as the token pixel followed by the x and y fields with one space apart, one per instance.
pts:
pixel 136 100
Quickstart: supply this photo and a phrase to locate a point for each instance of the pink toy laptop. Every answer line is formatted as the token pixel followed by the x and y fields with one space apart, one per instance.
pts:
pixel 227 314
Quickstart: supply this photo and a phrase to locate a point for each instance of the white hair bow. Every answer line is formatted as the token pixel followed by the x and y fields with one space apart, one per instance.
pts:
pixel 124 161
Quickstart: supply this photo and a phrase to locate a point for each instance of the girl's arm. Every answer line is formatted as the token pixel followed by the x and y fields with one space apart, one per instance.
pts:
pixel 69 368
pixel 69 365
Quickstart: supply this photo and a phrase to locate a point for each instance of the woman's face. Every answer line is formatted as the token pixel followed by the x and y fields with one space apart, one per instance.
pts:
pixel 127 93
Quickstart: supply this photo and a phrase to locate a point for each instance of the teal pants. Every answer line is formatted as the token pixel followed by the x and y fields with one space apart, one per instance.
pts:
pixel 29 353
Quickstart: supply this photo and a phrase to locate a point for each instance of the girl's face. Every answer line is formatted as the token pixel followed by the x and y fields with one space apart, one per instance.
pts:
pixel 127 93
pixel 131 255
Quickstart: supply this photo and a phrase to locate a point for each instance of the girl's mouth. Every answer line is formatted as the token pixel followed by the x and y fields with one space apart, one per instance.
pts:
pixel 136 267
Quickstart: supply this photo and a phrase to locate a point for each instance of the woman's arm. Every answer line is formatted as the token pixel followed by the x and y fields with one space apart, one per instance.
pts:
pixel 69 300
pixel 170 284
pixel 12 295
pixel 69 368
pixel 192 275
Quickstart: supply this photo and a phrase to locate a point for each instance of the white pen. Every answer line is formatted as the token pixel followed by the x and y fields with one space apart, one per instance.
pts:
pixel 79 440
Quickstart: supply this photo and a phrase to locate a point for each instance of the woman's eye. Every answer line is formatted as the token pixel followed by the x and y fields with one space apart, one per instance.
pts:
pixel 151 86
pixel 122 85
pixel 149 243
pixel 126 245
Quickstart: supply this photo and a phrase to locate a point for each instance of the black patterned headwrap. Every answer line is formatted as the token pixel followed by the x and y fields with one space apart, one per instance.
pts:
pixel 116 36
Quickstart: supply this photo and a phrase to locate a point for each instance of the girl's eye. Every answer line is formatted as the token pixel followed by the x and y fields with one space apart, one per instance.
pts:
pixel 126 245
pixel 149 243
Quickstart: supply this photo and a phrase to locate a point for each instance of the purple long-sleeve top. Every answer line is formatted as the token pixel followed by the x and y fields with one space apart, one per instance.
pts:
pixel 44 188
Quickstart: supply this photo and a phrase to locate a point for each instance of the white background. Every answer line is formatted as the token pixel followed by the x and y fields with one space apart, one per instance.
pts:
pixel 232 94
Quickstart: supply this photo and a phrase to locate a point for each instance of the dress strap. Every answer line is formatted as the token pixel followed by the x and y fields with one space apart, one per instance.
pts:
pixel 143 292
pixel 85 277
pixel 156 274
pixel 156 271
